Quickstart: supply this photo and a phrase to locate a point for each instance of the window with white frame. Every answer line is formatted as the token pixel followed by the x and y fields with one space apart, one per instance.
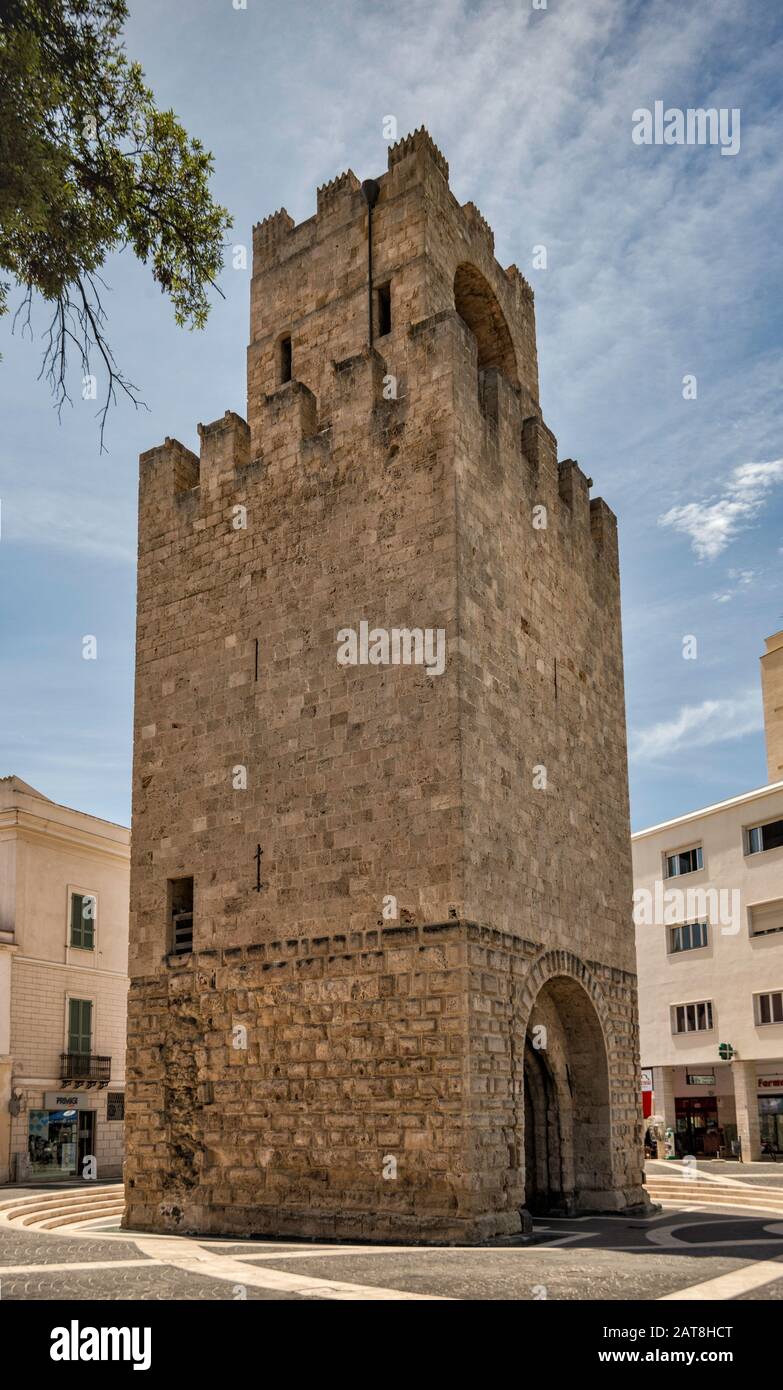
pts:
pixel 687 937
pixel 769 835
pixel 692 1018
pixel 769 1007
pixel 684 861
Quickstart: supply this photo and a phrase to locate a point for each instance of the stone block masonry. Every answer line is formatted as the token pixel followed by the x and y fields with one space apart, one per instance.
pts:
pixel 314 1066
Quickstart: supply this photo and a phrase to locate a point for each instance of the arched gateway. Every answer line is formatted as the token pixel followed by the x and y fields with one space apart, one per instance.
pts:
pixel 567 1113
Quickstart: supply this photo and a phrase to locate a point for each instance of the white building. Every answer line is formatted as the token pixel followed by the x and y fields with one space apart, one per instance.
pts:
pixel 708 904
pixel 63 988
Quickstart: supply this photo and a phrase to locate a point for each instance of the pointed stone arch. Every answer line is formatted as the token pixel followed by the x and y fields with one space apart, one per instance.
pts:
pixel 568 1060
pixel 478 307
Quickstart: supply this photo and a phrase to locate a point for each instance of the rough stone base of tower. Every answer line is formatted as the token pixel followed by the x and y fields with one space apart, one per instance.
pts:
pixel 378 1086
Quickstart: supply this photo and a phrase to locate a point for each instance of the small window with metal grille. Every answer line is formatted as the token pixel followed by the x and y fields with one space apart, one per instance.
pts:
pixel 181 915
pixel 115 1105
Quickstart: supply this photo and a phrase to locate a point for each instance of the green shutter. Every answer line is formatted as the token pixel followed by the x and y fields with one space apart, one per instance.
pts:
pixel 80 1026
pixel 83 921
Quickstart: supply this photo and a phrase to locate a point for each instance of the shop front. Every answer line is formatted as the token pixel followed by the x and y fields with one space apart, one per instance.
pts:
pixel 696 1126
pixel 770 1087
pixel 60 1135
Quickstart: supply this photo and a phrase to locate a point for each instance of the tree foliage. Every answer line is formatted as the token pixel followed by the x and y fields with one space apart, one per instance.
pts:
pixel 89 165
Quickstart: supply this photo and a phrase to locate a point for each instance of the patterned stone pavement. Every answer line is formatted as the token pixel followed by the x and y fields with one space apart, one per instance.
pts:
pixel 158 1282
pixel 679 1253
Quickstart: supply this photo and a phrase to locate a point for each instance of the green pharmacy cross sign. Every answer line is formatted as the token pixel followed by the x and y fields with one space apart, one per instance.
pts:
pixel 725 1051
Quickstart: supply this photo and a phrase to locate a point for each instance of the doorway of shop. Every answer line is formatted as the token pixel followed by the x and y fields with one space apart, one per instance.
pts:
pixel 86 1139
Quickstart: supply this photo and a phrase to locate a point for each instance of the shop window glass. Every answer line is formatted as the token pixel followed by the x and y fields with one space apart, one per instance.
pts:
pixel 52 1141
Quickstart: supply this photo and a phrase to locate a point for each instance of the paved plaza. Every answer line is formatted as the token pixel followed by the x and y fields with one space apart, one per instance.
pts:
pixel 679 1253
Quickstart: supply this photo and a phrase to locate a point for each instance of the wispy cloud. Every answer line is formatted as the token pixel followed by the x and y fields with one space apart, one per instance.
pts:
pixel 700 726
pixel 713 524
pixel 740 579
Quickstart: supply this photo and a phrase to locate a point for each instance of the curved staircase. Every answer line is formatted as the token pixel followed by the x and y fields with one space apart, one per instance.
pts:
pixel 673 1188
pixel 72 1207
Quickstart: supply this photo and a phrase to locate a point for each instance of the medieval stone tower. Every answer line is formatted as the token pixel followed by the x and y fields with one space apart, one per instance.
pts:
pixel 381 940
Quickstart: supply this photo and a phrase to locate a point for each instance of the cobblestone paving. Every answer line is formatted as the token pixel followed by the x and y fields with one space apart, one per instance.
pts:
pixel 21 1247
pixel 520 1275
pixel 160 1282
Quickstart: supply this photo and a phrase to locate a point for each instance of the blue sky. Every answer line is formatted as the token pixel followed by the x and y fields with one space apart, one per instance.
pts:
pixel 662 261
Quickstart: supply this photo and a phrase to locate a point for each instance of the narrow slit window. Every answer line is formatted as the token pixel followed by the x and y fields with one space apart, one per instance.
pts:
pixel 181 915
pixel 286 360
pixel 384 310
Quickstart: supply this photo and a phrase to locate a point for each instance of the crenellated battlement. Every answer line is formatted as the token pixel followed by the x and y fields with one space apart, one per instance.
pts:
pixel 418 142
pixel 481 225
pixel 268 235
pixel 522 286
pixel 330 195
pixel 290 415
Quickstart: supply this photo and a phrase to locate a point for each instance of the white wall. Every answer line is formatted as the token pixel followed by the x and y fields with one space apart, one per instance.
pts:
pixel 731 968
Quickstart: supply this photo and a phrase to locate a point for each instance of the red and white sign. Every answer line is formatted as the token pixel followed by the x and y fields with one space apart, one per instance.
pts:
pixel 771 1083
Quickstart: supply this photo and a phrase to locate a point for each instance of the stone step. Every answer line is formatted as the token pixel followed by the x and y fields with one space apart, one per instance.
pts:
pixel 72 1213
pixel 749 1188
pixel 15 1213
pixel 27 1210
pixel 716 1196
pixel 52 1223
pixel 68 1195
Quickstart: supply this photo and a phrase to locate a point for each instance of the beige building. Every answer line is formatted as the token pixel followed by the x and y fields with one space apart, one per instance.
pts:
pixel 63 988
pixel 709 939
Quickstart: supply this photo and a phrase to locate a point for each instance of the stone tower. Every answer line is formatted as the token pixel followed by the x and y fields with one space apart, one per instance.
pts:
pixel 422 1023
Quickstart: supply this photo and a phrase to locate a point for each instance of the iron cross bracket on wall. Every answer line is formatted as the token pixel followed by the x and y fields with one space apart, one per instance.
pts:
pixel 257 857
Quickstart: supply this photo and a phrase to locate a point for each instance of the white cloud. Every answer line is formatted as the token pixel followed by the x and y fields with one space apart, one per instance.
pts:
pixel 700 726
pixel 741 579
pixel 713 524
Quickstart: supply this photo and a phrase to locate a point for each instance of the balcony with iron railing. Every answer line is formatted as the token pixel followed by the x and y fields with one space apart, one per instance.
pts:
pixel 85 1069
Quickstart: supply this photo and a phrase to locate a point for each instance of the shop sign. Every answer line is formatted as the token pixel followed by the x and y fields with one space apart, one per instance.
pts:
pixel 770 1083
pixel 68 1100
pixel 647 1079
pixel 700 1078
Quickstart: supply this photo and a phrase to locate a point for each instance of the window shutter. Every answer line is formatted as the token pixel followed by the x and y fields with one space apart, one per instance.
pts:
pixel 83 921
pixel 79 1026
pixel 766 917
